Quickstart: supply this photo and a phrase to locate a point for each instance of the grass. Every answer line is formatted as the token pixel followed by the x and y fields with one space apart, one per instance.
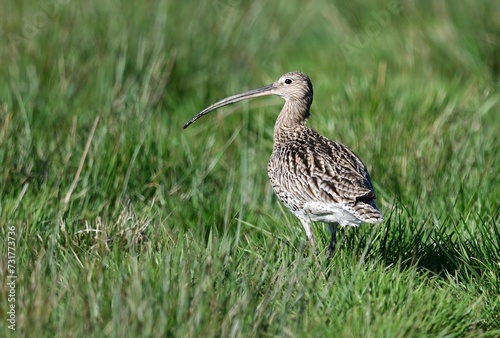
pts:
pixel 128 225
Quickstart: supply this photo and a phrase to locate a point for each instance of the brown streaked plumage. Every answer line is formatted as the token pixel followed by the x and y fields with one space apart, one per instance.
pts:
pixel 316 178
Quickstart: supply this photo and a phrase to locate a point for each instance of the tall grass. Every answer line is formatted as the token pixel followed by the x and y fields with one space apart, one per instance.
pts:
pixel 128 225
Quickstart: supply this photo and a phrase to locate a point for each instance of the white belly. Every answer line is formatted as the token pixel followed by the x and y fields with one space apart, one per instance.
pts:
pixel 329 213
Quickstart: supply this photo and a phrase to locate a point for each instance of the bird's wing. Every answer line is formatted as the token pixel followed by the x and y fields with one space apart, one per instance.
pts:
pixel 338 174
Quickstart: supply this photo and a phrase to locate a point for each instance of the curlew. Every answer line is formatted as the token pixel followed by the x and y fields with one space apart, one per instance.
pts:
pixel 317 179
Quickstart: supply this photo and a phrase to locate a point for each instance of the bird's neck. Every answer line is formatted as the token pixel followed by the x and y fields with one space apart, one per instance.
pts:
pixel 293 116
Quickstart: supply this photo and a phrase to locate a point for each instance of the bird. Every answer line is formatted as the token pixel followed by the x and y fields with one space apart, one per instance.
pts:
pixel 317 179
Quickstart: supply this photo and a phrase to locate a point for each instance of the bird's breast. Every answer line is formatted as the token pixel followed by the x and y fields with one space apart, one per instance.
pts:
pixel 289 183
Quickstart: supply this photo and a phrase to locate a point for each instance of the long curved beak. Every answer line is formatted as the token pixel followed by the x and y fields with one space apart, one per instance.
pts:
pixel 263 91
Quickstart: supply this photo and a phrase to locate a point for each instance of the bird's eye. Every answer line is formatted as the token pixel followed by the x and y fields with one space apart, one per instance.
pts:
pixel 288 81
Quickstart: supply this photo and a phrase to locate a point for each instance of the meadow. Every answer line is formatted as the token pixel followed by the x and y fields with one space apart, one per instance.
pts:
pixel 117 222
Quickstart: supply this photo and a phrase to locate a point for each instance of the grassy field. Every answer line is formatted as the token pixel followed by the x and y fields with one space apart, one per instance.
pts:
pixel 119 223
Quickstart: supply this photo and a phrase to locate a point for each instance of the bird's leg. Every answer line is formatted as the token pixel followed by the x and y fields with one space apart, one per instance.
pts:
pixel 306 223
pixel 332 227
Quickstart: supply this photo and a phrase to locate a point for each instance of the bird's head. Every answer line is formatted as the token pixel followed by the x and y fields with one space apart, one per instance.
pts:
pixel 294 87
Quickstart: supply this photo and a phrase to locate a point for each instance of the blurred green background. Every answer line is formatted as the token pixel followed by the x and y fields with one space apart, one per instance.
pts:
pixel 128 225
